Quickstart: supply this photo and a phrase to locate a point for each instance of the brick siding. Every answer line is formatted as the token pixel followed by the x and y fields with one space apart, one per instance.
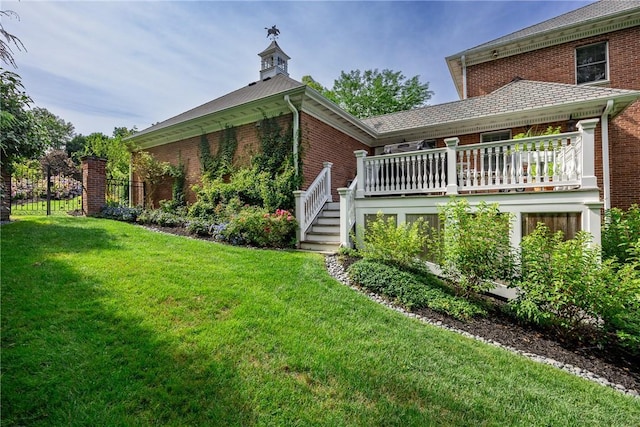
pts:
pixel 557 64
pixel 322 143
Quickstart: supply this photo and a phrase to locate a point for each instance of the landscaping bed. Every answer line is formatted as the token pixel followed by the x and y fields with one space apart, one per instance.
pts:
pixel 609 363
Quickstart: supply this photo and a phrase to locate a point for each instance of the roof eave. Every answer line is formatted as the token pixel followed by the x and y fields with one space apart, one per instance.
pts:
pixel 491 52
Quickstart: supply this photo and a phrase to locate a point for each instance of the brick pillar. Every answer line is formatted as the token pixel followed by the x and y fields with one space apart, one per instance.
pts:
pixel 5 195
pixel 94 184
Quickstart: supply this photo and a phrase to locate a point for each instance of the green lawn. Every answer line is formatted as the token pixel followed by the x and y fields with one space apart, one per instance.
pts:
pixel 108 324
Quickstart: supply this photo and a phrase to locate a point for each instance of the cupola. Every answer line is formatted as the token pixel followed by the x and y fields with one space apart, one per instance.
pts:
pixel 273 59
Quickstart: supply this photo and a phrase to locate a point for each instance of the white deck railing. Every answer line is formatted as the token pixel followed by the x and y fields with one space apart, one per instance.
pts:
pixel 563 161
pixel 309 203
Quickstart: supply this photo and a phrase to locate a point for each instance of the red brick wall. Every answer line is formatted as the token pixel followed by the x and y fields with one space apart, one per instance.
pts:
pixel 188 151
pixel 94 185
pixel 557 64
pixel 322 143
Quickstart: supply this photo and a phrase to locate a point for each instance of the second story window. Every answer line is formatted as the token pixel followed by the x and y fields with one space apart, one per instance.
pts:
pixel 591 63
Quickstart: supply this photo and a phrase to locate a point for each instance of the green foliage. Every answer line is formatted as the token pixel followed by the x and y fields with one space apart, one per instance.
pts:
pixel 113 148
pixel 620 232
pixel 151 171
pixel 257 227
pixel 412 290
pixel 220 164
pixel 374 92
pixel 120 213
pixel 276 147
pixel 477 248
pixel 53 131
pixel 385 241
pixel 179 175
pixel 18 127
pixel 161 217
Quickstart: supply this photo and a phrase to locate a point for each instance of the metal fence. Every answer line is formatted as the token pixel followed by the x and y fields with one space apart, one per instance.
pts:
pixel 46 191
pixel 124 192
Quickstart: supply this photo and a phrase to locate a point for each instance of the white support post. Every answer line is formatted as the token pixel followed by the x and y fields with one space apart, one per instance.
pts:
pixel 300 214
pixel 360 172
pixel 592 222
pixel 327 166
pixel 452 176
pixel 344 216
pixel 587 130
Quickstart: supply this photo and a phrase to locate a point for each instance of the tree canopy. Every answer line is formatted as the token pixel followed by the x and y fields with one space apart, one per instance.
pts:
pixel 373 92
pixel 7 39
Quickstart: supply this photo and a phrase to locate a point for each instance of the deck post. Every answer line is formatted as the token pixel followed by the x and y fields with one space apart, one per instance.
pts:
pixel 300 214
pixel 327 167
pixel 587 132
pixel 452 179
pixel 344 216
pixel 360 172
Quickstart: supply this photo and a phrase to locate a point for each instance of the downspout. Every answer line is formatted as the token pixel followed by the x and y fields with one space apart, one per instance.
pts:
pixel 463 59
pixel 606 180
pixel 296 125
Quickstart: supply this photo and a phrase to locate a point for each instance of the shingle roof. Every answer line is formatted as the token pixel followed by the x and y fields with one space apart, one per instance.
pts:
pixel 519 95
pixel 254 91
pixel 594 11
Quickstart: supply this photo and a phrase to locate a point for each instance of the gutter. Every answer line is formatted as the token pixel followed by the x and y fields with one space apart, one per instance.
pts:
pixel 296 126
pixel 463 60
pixel 606 178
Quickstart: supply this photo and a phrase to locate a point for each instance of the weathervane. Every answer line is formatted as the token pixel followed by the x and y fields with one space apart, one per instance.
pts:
pixel 272 32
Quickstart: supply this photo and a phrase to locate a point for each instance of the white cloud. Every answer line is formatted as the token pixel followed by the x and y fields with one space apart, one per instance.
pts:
pixel 105 64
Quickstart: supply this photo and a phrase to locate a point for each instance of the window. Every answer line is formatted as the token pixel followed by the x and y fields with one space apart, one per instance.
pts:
pixel 591 63
pixel 502 135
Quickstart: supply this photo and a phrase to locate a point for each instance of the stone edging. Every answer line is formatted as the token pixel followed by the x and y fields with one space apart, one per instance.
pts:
pixel 337 272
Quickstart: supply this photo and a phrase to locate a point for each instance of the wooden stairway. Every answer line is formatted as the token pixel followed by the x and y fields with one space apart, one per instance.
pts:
pixel 324 233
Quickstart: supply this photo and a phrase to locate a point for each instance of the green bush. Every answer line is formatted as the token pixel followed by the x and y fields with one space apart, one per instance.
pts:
pixel 120 213
pixel 385 241
pixel 477 247
pixel 161 217
pixel 621 230
pixel 414 291
pixel 257 227
pixel 562 282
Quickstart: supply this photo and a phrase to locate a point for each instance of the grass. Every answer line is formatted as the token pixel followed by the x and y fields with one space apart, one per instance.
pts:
pixel 58 207
pixel 106 323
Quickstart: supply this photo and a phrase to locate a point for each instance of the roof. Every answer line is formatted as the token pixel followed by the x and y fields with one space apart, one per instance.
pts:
pixel 598 18
pixel 253 92
pixel 591 12
pixel 516 97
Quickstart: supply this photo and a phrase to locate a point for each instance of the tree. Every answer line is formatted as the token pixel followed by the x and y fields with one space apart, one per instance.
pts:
pixel 52 129
pixel 7 39
pixel 372 93
pixel 17 133
pixel 114 149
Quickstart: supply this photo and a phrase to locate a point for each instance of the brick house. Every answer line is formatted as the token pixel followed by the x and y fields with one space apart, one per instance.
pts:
pixel 576 72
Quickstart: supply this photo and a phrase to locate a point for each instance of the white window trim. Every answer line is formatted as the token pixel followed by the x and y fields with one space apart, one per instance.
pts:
pixel 606 56
pixel 496 133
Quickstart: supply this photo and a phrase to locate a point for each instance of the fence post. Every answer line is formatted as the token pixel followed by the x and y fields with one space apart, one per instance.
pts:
pixel 452 178
pixel 48 190
pixel 94 184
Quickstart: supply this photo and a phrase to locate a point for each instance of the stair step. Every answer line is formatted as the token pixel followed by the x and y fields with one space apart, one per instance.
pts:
pixel 333 206
pixel 330 213
pixel 327 247
pixel 328 220
pixel 323 237
pixel 323 228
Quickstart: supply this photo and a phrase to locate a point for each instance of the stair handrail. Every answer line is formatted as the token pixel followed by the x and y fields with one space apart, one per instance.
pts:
pixel 309 203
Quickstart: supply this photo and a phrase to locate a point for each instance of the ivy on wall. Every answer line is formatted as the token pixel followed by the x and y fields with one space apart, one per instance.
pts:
pixel 220 164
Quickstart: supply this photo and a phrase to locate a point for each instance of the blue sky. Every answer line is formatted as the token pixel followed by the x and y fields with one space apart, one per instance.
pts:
pixel 104 64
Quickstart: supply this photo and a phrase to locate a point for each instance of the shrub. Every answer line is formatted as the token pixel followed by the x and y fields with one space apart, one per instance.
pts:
pixel 385 241
pixel 161 218
pixel 620 232
pixel 477 247
pixel 120 213
pixel 414 291
pixel 199 227
pixel 257 227
pixel 562 282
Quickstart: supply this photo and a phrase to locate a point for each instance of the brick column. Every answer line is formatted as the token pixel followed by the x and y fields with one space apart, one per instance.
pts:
pixel 94 184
